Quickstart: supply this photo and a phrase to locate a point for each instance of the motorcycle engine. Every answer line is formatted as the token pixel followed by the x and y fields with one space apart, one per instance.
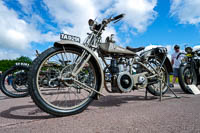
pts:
pixel 125 82
pixel 121 80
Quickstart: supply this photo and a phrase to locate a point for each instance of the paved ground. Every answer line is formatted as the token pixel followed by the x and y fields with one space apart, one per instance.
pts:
pixel 113 113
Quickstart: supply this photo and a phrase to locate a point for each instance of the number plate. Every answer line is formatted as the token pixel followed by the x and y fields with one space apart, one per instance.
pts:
pixel 70 37
pixel 21 64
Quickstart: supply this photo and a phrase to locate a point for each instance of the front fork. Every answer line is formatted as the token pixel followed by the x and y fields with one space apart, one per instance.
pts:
pixel 79 64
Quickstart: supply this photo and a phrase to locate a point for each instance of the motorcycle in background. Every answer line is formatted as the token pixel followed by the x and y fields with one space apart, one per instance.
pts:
pixel 189 71
pixel 14 81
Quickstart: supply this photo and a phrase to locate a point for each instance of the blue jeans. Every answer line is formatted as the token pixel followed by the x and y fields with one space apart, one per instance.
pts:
pixel 175 72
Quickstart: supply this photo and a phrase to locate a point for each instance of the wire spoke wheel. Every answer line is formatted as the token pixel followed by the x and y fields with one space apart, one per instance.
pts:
pixel 14 82
pixel 59 93
pixel 162 78
pixel 187 76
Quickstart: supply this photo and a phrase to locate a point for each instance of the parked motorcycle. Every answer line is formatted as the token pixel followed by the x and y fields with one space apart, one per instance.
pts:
pixel 14 81
pixel 81 77
pixel 189 72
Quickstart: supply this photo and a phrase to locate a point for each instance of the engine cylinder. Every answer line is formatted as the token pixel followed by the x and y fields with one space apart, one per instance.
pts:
pixel 113 67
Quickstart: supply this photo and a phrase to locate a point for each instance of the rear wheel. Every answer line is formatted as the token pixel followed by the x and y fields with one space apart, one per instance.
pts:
pixel 154 88
pixel 65 97
pixel 187 77
pixel 13 82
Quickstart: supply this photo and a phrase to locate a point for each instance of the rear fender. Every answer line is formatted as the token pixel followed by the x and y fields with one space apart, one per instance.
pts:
pixel 161 52
pixel 168 65
pixel 67 43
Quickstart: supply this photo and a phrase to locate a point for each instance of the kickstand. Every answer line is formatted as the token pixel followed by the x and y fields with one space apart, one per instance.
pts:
pixel 169 89
pixel 160 98
pixel 146 94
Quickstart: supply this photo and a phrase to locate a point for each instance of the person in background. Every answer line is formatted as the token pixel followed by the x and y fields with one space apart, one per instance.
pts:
pixel 10 79
pixel 0 73
pixel 176 61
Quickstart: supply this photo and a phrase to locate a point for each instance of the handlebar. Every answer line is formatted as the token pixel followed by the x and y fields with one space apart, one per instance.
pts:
pixel 118 17
pixel 95 26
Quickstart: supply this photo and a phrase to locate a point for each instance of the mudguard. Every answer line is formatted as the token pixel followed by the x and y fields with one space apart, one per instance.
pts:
pixel 160 52
pixel 67 43
pixel 168 65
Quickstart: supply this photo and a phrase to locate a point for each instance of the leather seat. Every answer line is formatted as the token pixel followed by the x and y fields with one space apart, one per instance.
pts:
pixel 135 49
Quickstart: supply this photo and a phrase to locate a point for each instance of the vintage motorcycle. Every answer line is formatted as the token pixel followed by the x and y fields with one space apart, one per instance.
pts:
pixel 14 81
pixel 189 71
pixel 82 78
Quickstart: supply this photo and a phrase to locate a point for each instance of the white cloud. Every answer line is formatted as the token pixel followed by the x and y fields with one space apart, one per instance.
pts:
pixel 139 13
pixel 169 47
pixel 26 5
pixel 187 11
pixel 76 13
pixel 196 47
pixel 16 34
pixel 13 30
pixel 8 54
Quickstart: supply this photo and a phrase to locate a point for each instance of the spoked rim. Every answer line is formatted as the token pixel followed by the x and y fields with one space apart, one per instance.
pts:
pixel 12 84
pixel 20 80
pixel 162 74
pixel 188 76
pixel 67 95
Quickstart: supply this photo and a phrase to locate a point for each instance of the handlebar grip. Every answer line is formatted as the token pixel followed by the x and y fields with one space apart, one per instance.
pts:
pixel 119 16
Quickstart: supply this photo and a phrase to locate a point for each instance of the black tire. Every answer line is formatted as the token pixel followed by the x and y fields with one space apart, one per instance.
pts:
pixel 36 95
pixel 12 90
pixel 156 92
pixel 182 78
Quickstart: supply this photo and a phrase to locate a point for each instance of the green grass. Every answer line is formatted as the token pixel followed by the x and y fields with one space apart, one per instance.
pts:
pixel 171 77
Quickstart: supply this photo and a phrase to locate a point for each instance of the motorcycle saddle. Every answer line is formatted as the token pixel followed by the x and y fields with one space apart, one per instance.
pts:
pixel 135 49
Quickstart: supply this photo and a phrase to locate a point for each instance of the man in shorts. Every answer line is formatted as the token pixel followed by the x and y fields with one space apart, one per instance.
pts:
pixel 176 61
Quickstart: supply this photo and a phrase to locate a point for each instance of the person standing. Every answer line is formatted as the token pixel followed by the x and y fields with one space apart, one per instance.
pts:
pixel 176 61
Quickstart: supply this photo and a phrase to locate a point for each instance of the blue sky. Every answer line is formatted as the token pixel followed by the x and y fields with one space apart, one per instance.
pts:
pixel 27 25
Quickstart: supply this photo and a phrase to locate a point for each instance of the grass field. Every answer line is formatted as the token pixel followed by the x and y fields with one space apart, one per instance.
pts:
pixel 171 77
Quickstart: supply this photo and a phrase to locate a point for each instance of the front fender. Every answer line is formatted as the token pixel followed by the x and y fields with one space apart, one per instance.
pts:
pixel 168 65
pixel 67 43
pixel 161 52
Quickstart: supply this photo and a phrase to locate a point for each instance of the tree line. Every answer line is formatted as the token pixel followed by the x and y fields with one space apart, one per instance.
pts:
pixel 6 64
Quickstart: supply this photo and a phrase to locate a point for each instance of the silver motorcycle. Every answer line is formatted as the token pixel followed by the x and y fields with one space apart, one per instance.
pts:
pixel 81 77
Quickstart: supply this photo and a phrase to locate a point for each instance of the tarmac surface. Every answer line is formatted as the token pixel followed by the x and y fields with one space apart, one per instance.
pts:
pixel 124 113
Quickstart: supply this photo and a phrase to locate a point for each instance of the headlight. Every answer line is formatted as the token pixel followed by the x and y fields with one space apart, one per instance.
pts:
pixel 188 50
pixel 91 22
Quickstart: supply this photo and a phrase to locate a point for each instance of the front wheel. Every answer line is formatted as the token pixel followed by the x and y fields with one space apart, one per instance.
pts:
pixel 64 97
pixel 187 76
pixel 13 82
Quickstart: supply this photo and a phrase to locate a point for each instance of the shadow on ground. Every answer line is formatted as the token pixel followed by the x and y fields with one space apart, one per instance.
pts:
pixel 110 100
pixel 4 97
pixel 11 113
pixel 33 112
